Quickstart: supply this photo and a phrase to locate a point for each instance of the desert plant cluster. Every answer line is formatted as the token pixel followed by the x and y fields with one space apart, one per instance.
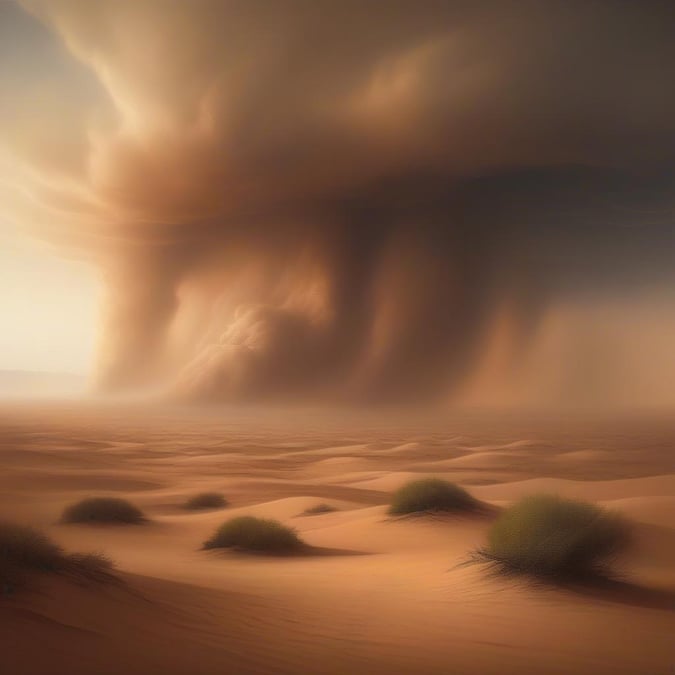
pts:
pixel 542 536
pixel 109 510
pixel 548 536
pixel 318 509
pixel 259 535
pixel 24 550
pixel 432 494
pixel 206 500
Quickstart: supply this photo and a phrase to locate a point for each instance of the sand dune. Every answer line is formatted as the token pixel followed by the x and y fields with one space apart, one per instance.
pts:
pixel 483 460
pixel 404 604
pixel 663 485
pixel 588 456
pixel 655 510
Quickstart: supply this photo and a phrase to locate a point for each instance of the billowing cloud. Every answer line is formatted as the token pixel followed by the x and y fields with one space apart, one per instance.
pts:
pixel 296 199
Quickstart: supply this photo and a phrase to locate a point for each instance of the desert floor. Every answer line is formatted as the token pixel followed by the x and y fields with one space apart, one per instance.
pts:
pixel 382 595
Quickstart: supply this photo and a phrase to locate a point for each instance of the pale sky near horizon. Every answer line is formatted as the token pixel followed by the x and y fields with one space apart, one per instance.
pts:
pixel 48 305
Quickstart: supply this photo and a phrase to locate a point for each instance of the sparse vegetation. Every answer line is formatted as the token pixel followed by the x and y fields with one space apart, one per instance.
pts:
pixel 318 509
pixel 27 548
pixel 24 550
pixel 255 534
pixel 429 495
pixel 111 510
pixel 206 500
pixel 95 566
pixel 548 536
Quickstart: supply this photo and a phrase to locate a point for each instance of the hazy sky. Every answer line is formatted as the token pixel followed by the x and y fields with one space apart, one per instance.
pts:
pixel 49 307
pixel 49 302
pixel 340 199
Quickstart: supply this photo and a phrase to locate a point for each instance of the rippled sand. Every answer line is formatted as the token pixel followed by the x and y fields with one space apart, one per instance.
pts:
pixel 387 595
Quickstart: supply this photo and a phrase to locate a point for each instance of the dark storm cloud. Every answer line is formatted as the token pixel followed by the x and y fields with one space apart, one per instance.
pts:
pixel 335 198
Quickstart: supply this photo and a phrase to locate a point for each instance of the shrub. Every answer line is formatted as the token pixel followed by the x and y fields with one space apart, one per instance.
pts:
pixel 431 494
pixel 95 566
pixel 548 536
pixel 206 500
pixel 103 510
pixel 319 508
pixel 255 534
pixel 24 550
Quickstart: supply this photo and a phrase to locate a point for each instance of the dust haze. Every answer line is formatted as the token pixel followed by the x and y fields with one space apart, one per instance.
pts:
pixel 385 376
pixel 467 201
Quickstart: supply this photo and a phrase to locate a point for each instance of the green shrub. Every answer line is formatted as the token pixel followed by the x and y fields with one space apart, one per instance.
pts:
pixel 548 536
pixel 206 500
pixel 431 494
pixel 255 534
pixel 318 509
pixel 103 510
pixel 24 550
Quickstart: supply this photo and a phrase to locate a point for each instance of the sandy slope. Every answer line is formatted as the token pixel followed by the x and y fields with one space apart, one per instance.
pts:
pixel 386 596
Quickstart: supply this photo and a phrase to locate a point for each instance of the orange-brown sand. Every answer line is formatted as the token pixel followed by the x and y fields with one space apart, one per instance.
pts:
pixel 384 596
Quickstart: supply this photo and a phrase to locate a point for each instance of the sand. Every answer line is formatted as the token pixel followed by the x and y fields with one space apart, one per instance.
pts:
pixel 383 596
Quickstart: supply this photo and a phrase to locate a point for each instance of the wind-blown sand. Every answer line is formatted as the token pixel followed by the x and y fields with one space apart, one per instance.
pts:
pixel 383 596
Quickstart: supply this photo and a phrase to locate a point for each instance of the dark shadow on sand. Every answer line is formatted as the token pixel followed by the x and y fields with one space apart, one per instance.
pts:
pixel 478 513
pixel 302 552
pixel 624 593
pixel 602 587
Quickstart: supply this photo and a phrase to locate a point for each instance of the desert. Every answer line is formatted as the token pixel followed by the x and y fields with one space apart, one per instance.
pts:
pixel 337 337
pixel 377 594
